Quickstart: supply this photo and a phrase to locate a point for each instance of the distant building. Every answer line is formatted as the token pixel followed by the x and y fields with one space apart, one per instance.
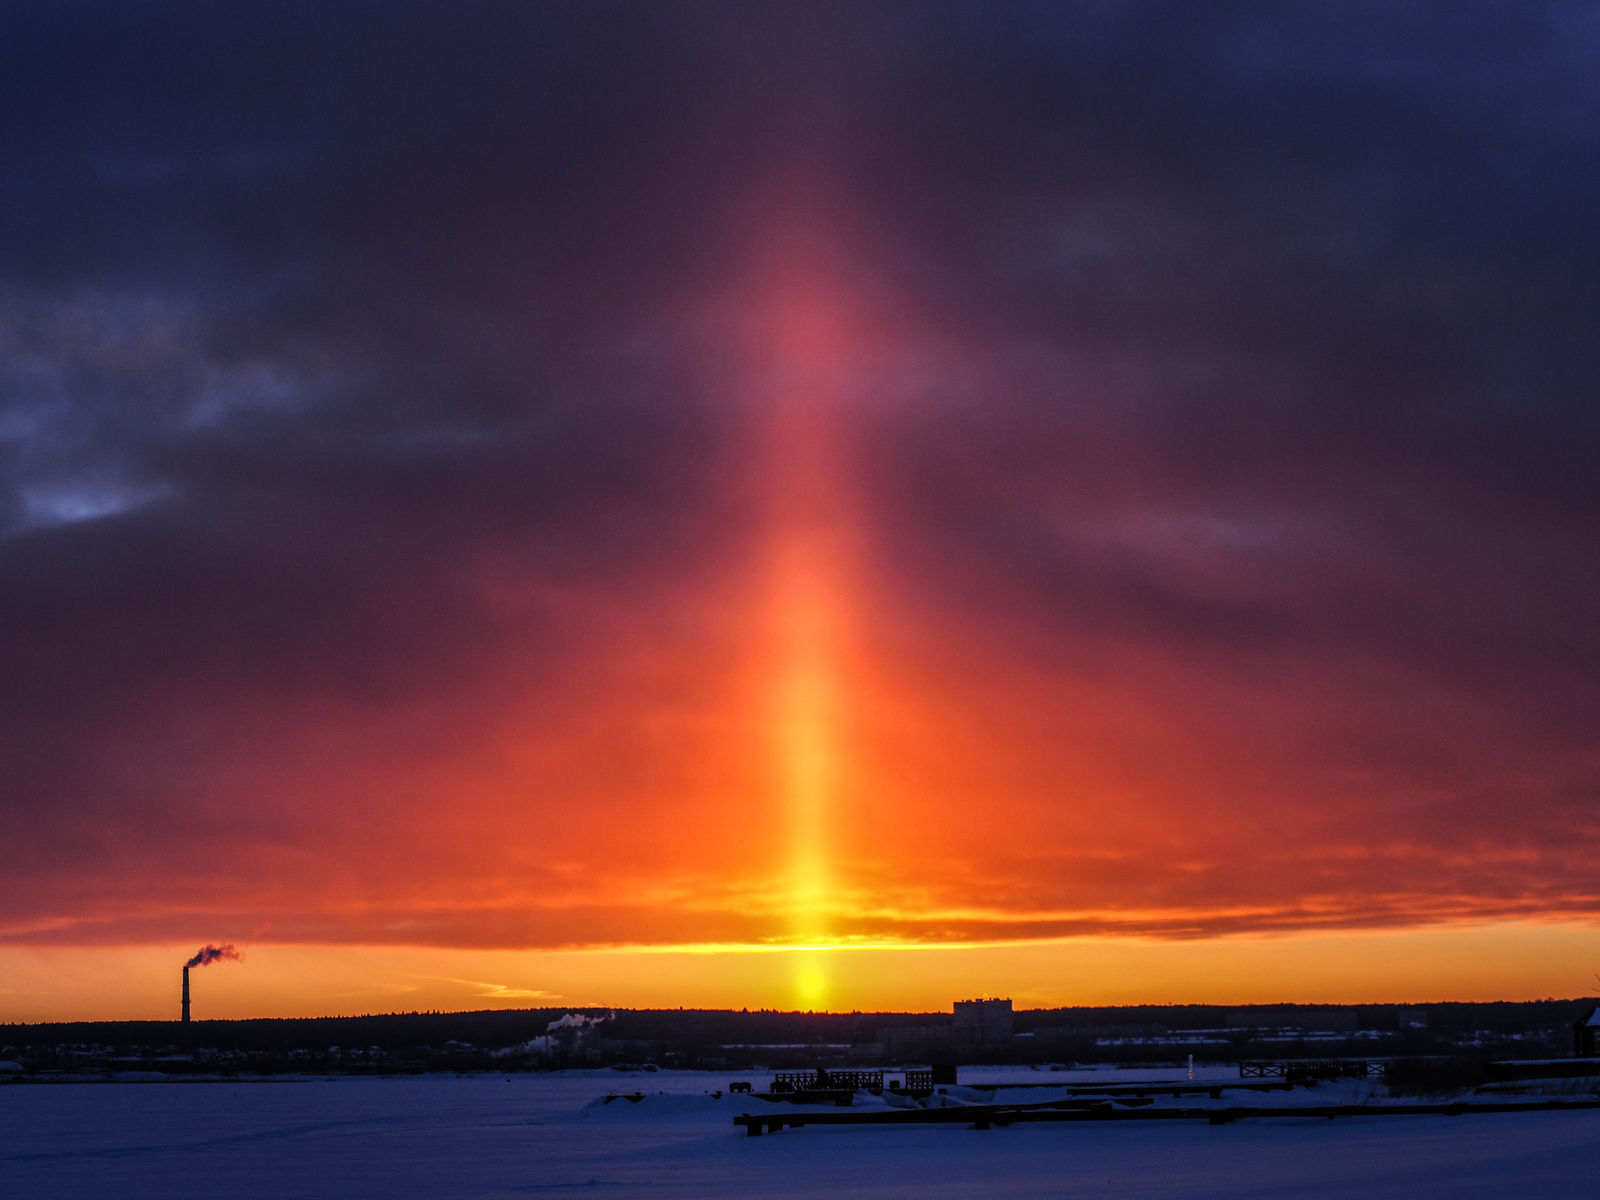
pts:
pixel 1583 1031
pixel 977 1024
pixel 1412 1018
pixel 982 1022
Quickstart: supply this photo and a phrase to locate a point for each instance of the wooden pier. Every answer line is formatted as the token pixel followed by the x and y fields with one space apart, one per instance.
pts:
pixel 1296 1070
pixel 986 1116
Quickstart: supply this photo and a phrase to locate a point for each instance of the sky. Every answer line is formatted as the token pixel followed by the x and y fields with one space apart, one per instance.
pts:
pixel 820 505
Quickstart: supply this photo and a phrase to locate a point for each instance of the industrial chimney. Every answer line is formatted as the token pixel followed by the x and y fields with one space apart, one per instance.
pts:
pixel 206 954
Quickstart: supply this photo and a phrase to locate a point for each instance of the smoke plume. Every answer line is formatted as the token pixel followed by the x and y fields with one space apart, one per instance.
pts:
pixel 210 954
pixel 576 1021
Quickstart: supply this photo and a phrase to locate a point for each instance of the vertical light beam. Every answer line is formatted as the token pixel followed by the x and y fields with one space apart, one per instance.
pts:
pixel 812 527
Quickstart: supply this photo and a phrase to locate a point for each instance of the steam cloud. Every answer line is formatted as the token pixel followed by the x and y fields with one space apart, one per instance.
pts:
pixel 210 954
pixel 546 1046
pixel 576 1021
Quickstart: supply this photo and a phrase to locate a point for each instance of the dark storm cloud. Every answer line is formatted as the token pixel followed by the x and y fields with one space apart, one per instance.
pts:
pixel 1256 333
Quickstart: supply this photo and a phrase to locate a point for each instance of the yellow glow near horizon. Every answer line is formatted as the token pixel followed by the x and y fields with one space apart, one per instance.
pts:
pixel 1504 961
pixel 811 978
pixel 807 745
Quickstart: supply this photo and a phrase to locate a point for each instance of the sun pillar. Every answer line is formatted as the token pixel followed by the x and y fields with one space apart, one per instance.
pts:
pixel 811 534
pixel 807 721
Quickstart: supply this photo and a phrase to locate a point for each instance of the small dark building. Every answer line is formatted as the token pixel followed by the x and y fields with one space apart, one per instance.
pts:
pixel 982 1022
pixel 1583 1031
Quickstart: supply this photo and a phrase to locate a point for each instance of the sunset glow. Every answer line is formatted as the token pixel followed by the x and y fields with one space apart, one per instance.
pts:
pixel 822 513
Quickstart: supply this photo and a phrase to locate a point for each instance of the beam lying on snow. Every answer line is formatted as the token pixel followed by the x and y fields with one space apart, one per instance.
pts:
pixel 1154 1087
pixel 840 1097
pixel 982 1116
pixel 907 1116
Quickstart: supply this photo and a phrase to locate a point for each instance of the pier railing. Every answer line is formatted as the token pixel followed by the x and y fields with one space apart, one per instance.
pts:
pixel 1331 1068
pixel 821 1079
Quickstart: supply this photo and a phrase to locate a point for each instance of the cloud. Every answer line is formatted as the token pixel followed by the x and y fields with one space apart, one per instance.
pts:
pixel 498 991
pixel 1156 446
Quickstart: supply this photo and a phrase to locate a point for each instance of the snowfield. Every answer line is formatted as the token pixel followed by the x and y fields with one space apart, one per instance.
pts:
pixel 550 1134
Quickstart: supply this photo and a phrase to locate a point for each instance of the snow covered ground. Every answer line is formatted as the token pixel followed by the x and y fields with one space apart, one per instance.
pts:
pixel 533 1135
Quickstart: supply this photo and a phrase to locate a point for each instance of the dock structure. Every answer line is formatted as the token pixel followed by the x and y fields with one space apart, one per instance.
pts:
pixel 1149 1087
pixel 820 1079
pixel 986 1116
pixel 839 1087
pixel 1305 1069
pixel 821 1085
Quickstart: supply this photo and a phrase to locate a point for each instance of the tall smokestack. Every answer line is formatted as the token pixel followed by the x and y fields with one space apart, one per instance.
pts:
pixel 203 956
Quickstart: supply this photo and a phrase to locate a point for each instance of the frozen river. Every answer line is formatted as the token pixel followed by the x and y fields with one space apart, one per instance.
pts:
pixel 531 1135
